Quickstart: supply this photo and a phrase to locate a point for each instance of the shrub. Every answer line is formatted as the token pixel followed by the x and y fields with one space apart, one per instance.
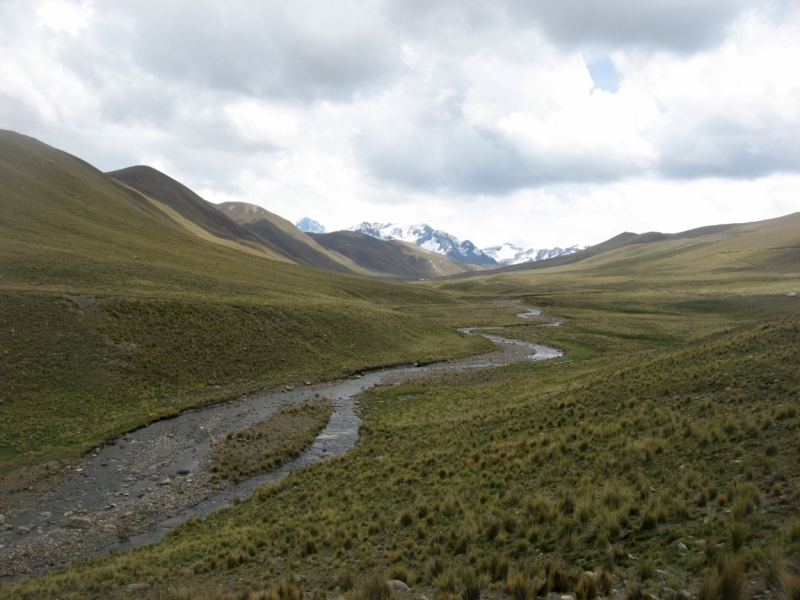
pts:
pixel 447 582
pixel 587 587
pixel 376 587
pixel 346 580
pixel 645 569
pixel 519 587
pixel 473 585
pixel 738 536
pixel 495 565
pixel 634 590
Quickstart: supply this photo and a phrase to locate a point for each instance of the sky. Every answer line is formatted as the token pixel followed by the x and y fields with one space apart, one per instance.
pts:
pixel 533 122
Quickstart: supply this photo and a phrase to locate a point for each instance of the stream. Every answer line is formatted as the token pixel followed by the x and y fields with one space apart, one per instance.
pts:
pixel 148 482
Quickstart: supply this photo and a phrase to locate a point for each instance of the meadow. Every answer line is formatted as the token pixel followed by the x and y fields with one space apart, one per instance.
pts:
pixel 659 455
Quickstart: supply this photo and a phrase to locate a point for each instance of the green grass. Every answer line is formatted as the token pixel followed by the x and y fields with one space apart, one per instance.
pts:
pixel 586 462
pixel 274 441
pixel 111 315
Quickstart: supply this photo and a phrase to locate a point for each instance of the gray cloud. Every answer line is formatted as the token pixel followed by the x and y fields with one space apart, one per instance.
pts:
pixel 165 71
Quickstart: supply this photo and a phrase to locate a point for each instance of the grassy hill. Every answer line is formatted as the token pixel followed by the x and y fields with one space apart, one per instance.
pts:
pixel 291 241
pixel 113 314
pixel 660 456
pixel 656 465
pixel 391 257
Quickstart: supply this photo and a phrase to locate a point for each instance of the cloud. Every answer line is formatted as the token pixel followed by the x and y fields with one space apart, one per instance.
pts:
pixel 442 108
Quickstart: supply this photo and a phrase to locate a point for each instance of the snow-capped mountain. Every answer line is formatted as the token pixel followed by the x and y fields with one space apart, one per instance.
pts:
pixel 310 225
pixel 509 254
pixel 428 238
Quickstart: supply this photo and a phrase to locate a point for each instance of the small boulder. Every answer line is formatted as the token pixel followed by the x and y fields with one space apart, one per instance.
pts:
pixel 2 519
pixel 399 586
pixel 306 383
pixel 108 527
pixel 79 523
pixel 6 527
pixel 792 294
pixel 166 481
pixel 682 547
pixel 21 530
pixel 184 472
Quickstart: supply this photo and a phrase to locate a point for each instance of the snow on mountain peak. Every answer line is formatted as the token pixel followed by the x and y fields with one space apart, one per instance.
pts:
pixel 439 241
pixel 310 225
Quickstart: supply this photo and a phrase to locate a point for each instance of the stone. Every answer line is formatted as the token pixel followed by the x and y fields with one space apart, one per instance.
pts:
pixel 682 547
pixel 128 514
pixel 565 597
pixel 399 586
pixel 108 527
pixel 215 442
pixel 6 527
pixel 46 514
pixel 686 594
pixel 137 587
pixel 21 530
pixel 792 294
pixel 2 519
pixel 306 383
pixel 184 472
pixel 166 481
pixel 111 506
pixel 79 523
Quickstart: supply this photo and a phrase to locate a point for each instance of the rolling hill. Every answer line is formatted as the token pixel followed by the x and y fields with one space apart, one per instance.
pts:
pixel 361 253
pixel 115 313
pixel 391 256
pixel 747 257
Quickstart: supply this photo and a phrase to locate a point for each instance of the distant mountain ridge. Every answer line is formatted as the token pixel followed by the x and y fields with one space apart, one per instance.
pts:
pixel 425 236
pixel 441 242
pixel 509 254
pixel 308 225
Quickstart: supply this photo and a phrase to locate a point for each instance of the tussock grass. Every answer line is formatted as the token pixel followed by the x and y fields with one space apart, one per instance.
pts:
pixel 274 441
pixel 536 462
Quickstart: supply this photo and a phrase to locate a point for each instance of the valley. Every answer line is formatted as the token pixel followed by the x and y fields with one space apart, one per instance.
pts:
pixel 149 338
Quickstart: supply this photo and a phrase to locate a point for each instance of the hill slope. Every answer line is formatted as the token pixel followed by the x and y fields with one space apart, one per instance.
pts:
pixel 390 257
pixel 746 256
pixel 113 314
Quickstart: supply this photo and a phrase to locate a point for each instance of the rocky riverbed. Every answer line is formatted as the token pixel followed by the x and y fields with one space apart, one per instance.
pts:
pixel 134 490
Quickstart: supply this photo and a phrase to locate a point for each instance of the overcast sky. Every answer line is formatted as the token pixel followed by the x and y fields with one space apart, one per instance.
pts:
pixel 537 122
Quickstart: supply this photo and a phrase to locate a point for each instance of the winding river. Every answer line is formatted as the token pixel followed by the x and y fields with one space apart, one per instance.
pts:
pixel 156 478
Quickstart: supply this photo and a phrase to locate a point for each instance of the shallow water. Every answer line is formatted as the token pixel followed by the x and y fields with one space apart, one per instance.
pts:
pixel 124 476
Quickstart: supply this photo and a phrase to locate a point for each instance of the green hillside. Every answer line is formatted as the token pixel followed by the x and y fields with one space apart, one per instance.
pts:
pixel 392 258
pixel 113 314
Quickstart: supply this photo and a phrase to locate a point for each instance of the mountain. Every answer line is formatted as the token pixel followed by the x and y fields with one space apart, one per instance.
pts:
pixel 509 254
pixel 744 256
pixel 307 225
pixel 425 236
pixel 287 238
pixel 192 212
pixel 391 257
pixel 119 309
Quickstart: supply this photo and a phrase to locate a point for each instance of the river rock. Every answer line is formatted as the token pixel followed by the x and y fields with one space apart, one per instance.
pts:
pixel 79 523
pixel 2 519
pixel 399 586
pixel 166 481
pixel 21 530
pixel 108 527
pixel 6 527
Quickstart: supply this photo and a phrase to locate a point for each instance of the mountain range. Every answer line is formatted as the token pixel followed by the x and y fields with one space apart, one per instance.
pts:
pixel 441 242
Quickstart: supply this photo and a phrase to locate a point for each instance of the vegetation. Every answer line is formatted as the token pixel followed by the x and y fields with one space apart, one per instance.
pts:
pixel 660 454
pixel 112 315
pixel 274 441
pixel 683 461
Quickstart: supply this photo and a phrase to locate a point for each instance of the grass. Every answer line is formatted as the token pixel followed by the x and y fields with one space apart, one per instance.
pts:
pixel 271 443
pixel 660 454
pixel 112 315
pixel 570 468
